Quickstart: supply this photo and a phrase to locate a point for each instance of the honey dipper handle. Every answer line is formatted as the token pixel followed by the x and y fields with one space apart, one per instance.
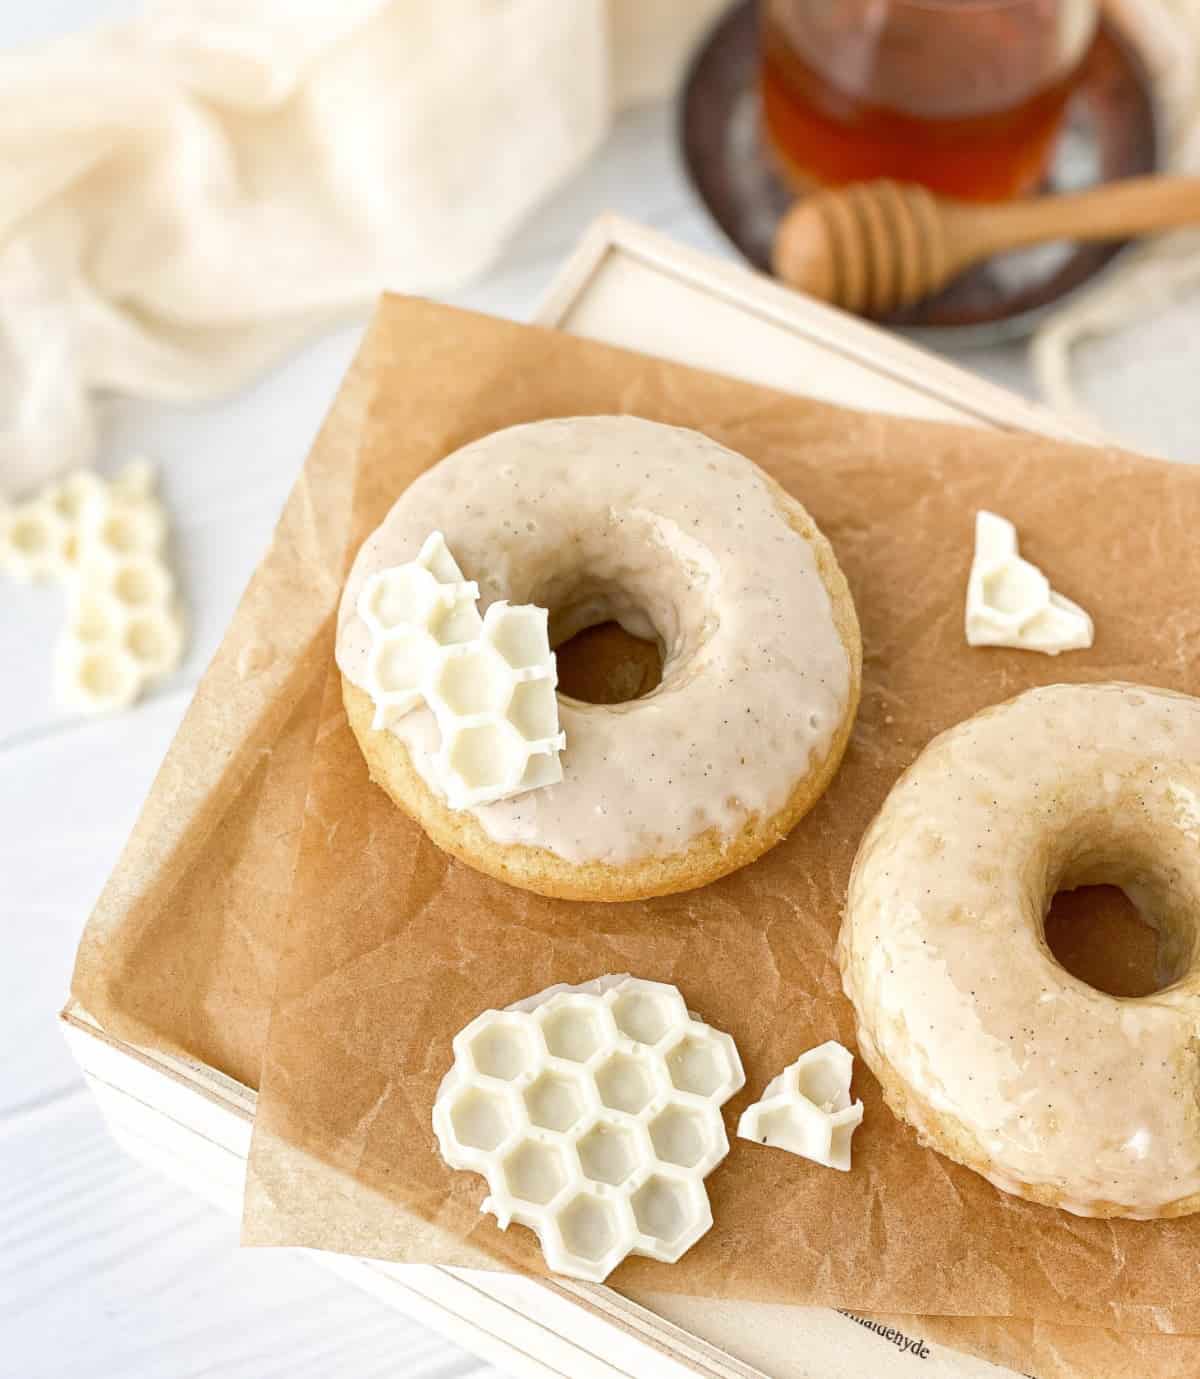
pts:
pixel 1117 211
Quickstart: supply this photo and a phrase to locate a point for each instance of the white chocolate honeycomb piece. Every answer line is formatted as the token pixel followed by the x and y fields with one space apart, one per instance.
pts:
pixel 1010 601
pixel 106 542
pixel 807 1109
pixel 124 625
pixel 489 681
pixel 593 1112
pixel 39 538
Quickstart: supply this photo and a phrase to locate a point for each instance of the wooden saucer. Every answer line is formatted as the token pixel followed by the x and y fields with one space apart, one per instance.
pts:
pixel 1111 131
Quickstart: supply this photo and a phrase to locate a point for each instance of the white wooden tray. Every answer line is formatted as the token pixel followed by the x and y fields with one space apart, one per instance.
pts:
pixel 629 286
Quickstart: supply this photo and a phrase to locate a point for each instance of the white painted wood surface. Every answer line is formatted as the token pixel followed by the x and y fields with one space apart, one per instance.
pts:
pixel 104 1269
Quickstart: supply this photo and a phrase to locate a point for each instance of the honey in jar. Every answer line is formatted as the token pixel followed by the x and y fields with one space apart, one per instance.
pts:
pixel 965 96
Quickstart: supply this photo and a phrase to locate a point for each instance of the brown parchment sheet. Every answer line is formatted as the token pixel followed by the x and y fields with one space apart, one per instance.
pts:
pixel 181 950
pixel 392 947
pixel 1050 1351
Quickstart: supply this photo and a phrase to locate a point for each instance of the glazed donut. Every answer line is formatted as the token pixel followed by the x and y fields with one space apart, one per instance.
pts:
pixel 997 1056
pixel 676 538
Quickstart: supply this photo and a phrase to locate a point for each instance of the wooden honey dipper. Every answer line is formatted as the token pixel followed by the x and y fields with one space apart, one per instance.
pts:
pixel 875 246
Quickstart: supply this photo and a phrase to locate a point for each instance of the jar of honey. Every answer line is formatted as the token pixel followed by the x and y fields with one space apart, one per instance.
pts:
pixel 965 96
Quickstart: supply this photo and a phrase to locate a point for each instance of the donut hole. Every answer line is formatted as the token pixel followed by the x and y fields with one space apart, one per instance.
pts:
pixel 1098 935
pixel 608 648
pixel 1120 886
pixel 605 664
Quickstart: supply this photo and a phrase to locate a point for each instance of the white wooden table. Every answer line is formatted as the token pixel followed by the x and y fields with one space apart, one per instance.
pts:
pixel 105 1270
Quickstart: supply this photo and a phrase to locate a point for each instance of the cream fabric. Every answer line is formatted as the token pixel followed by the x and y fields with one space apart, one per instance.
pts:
pixel 184 197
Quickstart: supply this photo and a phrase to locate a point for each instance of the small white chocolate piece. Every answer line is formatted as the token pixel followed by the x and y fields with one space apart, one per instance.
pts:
pixel 35 540
pixel 124 627
pixel 807 1109
pixel 106 542
pixel 1010 601
pixel 488 681
pixel 593 1112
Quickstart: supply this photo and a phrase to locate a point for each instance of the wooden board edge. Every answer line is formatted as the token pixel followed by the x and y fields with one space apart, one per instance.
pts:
pixel 830 328
pixel 461 1298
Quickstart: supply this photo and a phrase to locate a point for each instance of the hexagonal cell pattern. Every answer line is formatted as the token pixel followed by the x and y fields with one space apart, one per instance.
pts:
pixel 674 1211
pixel 646 1013
pixel 555 1101
pixel 481 1119
pixel 535 1172
pixel 455 623
pixel 488 681
pixel 519 633
pixel 590 1227
pixel 807 1110
pixel 503 1049
pixel 35 541
pixel 482 761
pixel 398 663
pixel 472 680
pixel 593 1111
pixel 534 710
pixel 704 1067
pixel 154 643
pixel 1010 601
pixel 406 598
pixel 681 1136
pixel 609 1153
pixel 574 1028
pixel 105 540
pixel 625 1082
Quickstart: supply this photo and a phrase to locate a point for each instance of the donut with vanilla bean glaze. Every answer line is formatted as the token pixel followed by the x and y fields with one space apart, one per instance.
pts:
pixel 680 540
pixel 1000 1058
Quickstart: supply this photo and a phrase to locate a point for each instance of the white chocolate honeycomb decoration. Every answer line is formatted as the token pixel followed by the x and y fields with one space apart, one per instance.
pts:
pixel 105 542
pixel 490 681
pixel 39 538
pixel 1010 601
pixel 594 1114
pixel 807 1109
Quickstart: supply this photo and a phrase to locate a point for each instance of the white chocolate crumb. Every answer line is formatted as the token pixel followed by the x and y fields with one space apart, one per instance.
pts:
pixel 807 1109
pixel 106 543
pixel 1010 601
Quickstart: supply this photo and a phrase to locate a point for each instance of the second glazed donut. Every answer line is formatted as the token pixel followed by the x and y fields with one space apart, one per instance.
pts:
pixel 999 1057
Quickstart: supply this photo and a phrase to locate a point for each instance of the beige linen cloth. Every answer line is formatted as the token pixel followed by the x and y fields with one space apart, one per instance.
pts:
pixel 186 196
